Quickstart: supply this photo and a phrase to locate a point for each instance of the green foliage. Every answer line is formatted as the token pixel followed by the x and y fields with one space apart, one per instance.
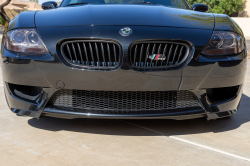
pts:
pixel 34 1
pixel 228 7
pixel 2 22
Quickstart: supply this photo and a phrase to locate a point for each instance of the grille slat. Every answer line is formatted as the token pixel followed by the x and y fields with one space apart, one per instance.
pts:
pixel 122 102
pixel 169 53
pixel 159 55
pixel 103 55
pixel 69 53
pixel 141 54
pixel 158 52
pixel 109 54
pixel 152 55
pixel 114 52
pixel 147 54
pixel 92 54
pixel 175 52
pixel 80 51
pixel 180 54
pixel 97 54
pixel 164 53
pixel 86 54
pixel 135 54
pixel 74 51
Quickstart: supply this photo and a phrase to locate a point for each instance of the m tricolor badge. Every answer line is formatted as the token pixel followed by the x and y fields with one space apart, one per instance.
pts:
pixel 157 57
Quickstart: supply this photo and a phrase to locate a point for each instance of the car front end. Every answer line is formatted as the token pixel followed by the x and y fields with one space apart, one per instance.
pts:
pixel 106 62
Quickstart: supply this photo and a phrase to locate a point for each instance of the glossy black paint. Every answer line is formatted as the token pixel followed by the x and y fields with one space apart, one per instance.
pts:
pixel 123 14
pixel 23 20
pixel 104 22
pixel 199 7
pixel 52 35
pixel 225 23
pixel 223 58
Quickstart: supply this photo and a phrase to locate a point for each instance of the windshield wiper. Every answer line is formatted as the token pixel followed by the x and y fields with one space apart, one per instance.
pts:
pixel 77 3
pixel 143 2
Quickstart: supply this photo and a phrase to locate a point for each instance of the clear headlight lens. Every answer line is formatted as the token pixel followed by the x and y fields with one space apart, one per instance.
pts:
pixel 224 43
pixel 25 41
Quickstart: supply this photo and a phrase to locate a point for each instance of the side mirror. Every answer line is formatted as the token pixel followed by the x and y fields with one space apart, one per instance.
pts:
pixel 49 5
pixel 199 7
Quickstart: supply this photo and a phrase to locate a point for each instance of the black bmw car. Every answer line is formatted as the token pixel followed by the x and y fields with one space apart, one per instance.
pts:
pixel 131 59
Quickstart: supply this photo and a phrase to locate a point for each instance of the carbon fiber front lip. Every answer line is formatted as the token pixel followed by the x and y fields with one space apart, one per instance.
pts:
pixel 61 113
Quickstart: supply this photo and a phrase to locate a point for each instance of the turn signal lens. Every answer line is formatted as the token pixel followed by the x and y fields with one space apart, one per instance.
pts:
pixel 25 42
pixel 224 43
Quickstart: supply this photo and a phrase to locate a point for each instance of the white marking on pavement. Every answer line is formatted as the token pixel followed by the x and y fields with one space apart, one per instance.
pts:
pixel 192 143
pixel 210 148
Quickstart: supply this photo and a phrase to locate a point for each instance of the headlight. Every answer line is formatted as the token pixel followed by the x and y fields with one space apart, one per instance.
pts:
pixel 24 42
pixel 224 43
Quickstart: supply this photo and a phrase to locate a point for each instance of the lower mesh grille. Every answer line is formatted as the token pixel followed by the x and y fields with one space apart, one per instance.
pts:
pixel 123 102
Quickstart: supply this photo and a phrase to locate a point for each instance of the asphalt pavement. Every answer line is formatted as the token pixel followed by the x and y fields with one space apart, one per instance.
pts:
pixel 51 141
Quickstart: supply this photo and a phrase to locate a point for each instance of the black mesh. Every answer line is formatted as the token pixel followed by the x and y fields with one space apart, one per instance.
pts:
pixel 123 102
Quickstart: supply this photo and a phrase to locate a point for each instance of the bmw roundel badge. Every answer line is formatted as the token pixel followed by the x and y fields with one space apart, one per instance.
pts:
pixel 125 31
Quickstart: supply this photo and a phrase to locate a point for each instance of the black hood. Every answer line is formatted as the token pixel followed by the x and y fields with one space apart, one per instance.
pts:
pixel 124 15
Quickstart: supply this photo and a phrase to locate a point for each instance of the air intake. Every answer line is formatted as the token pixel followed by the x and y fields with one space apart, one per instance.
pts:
pixel 123 102
pixel 158 55
pixel 92 54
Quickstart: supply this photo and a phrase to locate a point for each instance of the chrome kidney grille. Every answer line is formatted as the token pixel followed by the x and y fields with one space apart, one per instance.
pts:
pixel 92 54
pixel 159 55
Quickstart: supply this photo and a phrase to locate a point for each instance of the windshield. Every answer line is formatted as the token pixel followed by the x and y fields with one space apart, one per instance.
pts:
pixel 170 3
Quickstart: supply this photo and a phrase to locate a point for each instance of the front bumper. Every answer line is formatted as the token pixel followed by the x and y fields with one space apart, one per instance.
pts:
pixel 39 109
pixel 49 73
pixel 195 77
